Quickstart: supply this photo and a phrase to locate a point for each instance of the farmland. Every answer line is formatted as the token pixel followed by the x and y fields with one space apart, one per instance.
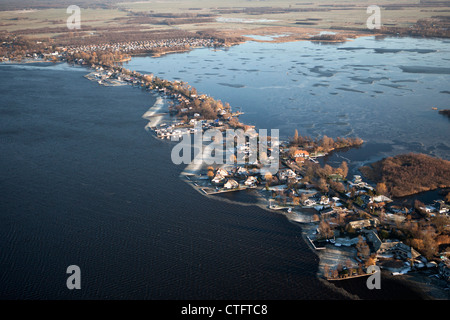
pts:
pixel 295 20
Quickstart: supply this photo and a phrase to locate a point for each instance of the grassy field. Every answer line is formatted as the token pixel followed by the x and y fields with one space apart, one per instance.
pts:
pixel 13 21
pixel 228 16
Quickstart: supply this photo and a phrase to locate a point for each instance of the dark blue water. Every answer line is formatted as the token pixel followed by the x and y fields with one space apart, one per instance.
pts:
pixel 82 182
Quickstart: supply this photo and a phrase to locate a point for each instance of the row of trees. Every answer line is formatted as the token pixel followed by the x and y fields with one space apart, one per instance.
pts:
pixel 325 177
pixel 209 109
pixel 18 47
pixel 160 50
pixel 328 37
pixel 425 236
pixel 104 58
pixel 324 144
pixel 437 27
pixel 206 106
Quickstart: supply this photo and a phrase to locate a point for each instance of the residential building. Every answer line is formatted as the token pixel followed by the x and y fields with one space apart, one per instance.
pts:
pixel 251 181
pixel 364 223
pixel 397 250
pixel 284 174
pixel 231 184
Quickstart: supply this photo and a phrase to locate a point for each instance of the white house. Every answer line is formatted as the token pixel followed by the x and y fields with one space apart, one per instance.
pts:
pixel 381 198
pixel 309 202
pixel 398 250
pixel 231 184
pixel 251 181
pixel 218 178
pixel 222 172
pixel 324 200
pixel 241 171
pixel 285 174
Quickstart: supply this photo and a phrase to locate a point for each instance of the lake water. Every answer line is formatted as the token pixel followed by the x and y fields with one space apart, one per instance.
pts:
pixel 382 91
pixel 83 183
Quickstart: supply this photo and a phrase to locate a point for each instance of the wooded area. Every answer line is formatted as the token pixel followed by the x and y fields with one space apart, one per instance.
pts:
pixel 324 144
pixel 409 173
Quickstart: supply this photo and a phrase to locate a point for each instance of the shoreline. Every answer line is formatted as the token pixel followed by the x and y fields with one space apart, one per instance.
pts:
pixel 155 118
pixel 300 218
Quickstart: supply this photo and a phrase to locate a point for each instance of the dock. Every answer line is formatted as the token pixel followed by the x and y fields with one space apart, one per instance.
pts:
pixel 314 246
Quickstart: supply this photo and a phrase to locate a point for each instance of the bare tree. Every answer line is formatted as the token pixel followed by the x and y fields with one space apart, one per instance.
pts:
pixel 325 230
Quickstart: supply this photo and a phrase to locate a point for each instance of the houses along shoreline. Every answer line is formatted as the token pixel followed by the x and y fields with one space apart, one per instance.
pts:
pixel 343 208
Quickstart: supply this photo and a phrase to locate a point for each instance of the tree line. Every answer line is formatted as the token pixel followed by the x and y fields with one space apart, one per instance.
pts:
pixel 324 144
